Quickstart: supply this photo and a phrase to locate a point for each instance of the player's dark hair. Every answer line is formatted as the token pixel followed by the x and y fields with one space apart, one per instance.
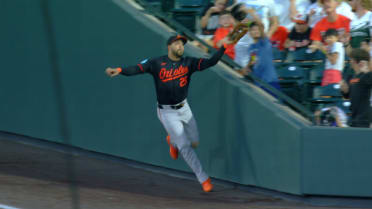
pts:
pixel 360 55
pixel 237 13
pixel 331 32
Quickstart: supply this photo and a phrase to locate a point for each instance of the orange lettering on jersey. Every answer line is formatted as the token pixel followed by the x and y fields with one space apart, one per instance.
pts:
pixel 183 81
pixel 172 74
pixel 162 73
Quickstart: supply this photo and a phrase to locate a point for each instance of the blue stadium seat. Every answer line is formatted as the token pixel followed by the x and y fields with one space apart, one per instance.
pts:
pixel 278 55
pixel 316 74
pixel 291 80
pixel 291 72
pixel 327 94
pixel 186 17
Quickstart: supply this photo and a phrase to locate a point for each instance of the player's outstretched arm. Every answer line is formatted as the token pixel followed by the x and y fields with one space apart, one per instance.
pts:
pixel 129 71
pixel 206 63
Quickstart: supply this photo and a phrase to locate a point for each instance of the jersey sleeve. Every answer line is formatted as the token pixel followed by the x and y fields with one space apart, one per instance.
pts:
pixel 200 64
pixel 143 67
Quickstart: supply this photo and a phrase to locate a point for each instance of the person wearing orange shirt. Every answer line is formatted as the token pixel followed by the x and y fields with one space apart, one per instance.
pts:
pixel 332 21
pixel 226 22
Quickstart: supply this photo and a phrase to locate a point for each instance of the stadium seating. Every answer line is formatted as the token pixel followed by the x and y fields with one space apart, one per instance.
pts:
pixel 291 79
pixel 304 55
pixel 326 94
pixel 278 55
pixel 186 16
pixel 316 74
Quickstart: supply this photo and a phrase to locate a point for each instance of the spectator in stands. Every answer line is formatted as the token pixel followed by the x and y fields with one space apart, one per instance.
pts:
pixel 299 37
pixel 209 20
pixel 288 9
pixel 335 53
pixel 361 25
pixel 332 20
pixel 368 47
pixel 265 10
pixel 279 38
pixel 331 116
pixel 261 59
pixel 358 89
pixel 226 22
pixel 316 13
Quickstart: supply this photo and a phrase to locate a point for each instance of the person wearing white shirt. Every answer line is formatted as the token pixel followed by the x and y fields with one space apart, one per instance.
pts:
pixel 288 9
pixel 335 58
pixel 361 25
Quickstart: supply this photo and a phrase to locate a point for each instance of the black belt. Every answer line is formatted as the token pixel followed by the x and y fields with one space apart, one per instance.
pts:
pixel 176 107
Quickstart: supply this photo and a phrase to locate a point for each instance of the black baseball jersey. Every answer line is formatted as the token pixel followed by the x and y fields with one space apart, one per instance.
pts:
pixel 172 78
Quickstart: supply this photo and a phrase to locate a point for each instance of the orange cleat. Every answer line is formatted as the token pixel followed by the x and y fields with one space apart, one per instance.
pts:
pixel 173 151
pixel 207 185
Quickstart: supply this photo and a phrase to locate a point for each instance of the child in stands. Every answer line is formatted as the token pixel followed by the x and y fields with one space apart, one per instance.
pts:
pixel 335 58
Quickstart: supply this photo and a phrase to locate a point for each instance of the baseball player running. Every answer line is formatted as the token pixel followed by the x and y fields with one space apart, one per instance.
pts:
pixel 172 76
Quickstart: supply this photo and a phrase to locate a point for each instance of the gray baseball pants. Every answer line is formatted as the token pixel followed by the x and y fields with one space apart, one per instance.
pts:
pixel 182 129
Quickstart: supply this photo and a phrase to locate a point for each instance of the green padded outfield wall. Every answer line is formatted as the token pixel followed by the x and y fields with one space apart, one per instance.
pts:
pixel 245 138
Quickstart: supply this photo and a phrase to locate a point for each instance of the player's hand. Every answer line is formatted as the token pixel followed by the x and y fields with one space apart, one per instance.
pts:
pixel 112 72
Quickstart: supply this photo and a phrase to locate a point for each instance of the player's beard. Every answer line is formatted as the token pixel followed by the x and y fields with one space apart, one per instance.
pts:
pixel 177 53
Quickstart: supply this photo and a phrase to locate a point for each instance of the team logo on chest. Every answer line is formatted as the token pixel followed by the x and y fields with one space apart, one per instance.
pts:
pixel 172 74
